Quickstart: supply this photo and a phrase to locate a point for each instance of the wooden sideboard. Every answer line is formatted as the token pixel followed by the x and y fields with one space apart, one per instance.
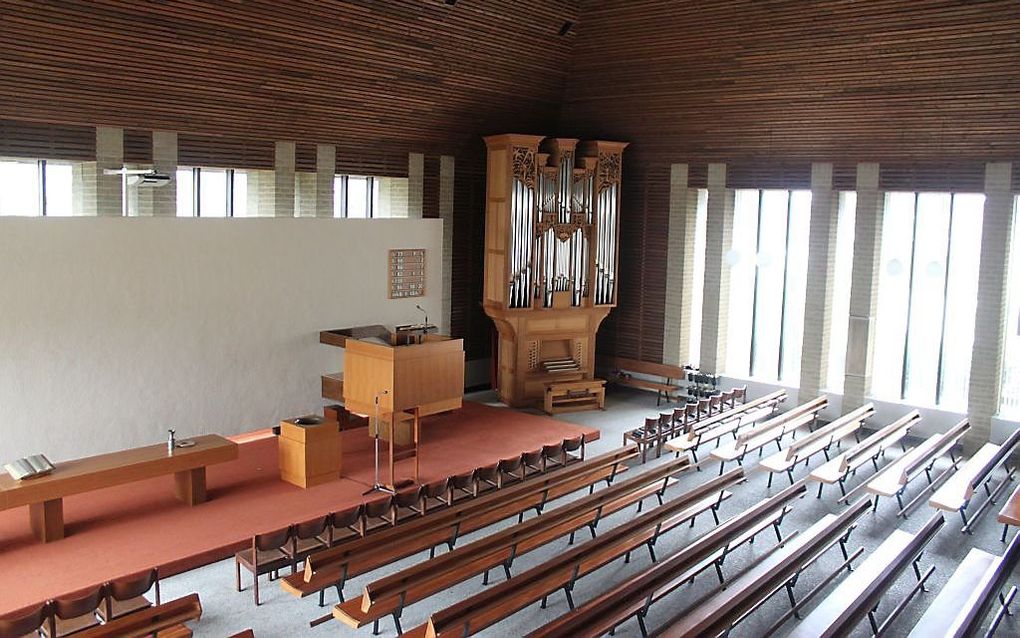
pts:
pixel 44 495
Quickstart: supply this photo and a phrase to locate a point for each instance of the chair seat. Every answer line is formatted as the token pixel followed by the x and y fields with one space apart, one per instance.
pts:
pixel 71 625
pixel 123 607
pixel 269 560
pixel 643 433
pixel 304 546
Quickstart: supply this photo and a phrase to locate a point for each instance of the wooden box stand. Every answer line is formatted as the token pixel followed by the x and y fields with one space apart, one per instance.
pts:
pixel 310 454
pixel 574 396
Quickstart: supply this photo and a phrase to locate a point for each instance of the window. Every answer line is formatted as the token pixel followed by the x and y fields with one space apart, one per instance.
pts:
pixel 842 278
pixel 698 293
pixel 768 281
pixel 357 197
pixel 927 297
pixel 211 192
pixel 58 187
pixel 19 188
pixel 1009 404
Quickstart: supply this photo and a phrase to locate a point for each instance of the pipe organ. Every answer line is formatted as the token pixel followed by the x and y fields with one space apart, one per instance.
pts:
pixel 551 256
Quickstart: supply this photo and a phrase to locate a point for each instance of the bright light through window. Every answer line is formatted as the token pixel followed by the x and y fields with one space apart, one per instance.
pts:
pixel 185 192
pixel 842 277
pixel 1009 405
pixel 240 194
pixel 357 197
pixel 19 188
pixel 212 193
pixel 698 293
pixel 59 180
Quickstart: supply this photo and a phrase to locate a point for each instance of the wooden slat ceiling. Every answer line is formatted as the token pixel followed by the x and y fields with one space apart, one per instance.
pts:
pixel 830 80
pixel 419 72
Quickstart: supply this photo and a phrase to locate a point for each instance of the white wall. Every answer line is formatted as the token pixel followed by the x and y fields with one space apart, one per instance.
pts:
pixel 113 330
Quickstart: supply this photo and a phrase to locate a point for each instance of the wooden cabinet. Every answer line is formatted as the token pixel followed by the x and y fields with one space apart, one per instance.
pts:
pixel 310 451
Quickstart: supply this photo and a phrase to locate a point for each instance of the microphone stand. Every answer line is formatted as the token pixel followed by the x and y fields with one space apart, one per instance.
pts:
pixel 376 485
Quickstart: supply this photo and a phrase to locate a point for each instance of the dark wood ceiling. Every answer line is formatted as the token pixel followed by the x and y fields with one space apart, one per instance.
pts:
pixel 873 80
pixel 420 73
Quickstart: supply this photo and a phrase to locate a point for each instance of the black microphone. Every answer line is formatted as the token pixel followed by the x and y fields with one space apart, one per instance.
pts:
pixel 424 313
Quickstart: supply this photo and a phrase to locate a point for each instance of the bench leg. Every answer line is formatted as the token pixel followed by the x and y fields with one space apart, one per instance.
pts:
pixel 770 480
pixel 1005 528
pixel 819 495
pixel 641 624
pixel 651 552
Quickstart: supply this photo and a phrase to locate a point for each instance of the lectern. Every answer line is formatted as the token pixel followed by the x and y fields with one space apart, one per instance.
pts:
pixel 410 378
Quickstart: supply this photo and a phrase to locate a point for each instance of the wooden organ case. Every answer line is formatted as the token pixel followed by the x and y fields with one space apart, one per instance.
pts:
pixel 552 222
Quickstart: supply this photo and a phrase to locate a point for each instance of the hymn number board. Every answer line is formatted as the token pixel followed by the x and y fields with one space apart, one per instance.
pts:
pixel 407 273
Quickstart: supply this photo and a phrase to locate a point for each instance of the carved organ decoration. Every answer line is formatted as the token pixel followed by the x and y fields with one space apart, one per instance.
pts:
pixel 552 229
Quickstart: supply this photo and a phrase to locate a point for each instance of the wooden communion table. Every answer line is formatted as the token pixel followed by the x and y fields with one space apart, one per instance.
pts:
pixel 45 495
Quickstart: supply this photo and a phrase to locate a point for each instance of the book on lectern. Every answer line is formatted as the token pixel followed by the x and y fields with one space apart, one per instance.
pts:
pixel 29 467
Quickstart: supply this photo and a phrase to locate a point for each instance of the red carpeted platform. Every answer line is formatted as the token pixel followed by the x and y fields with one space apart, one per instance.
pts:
pixel 121 530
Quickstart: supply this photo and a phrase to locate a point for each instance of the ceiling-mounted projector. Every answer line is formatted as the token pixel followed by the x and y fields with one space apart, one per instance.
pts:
pixel 140 176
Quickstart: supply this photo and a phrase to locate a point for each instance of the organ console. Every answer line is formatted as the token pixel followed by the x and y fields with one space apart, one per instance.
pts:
pixel 551 257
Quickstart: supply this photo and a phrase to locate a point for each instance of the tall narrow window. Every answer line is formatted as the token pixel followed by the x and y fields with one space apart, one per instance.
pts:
pixel 239 183
pixel 185 192
pixel 19 188
pixel 1009 404
pixel 213 195
pixel 927 297
pixel 768 283
pixel 842 278
pixel 698 293
pixel 58 185
pixel 357 197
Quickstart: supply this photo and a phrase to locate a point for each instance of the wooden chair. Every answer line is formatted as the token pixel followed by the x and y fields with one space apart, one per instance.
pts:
pixel 533 461
pixel 488 475
pixel 552 455
pixel 27 622
pixel 380 512
pixel 165 620
pixel 573 450
pixel 409 503
pixel 344 524
pixel 266 556
pixel 75 613
pixel 510 470
pixel 438 494
pixel 466 483
pixel 127 595
pixel 645 437
pixel 309 537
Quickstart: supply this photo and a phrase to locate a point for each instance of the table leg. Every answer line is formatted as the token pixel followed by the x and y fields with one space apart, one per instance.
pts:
pixel 47 520
pixel 190 486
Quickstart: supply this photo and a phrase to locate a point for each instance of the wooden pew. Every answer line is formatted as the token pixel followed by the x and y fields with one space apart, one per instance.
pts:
pixel 821 440
pixel 664 389
pixel 894 478
pixel 725 424
pixel 860 592
pixel 720 610
pixel 837 470
pixel 771 431
pixel 167 619
pixel 965 600
pixel 957 493
pixel 388 596
pixel 1010 512
pixel 634 596
pixel 332 567
pixel 488 607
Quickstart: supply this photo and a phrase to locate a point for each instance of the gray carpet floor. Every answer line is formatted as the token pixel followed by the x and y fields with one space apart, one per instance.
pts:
pixel 226 611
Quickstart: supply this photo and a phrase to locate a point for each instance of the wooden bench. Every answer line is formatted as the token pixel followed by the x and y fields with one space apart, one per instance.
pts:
pixel 560 573
pixel 664 389
pixel 957 493
pixel 839 469
pixel 893 479
pixel 635 595
pixel 964 601
pixel 574 396
pixel 859 594
pixel 727 423
pixel 1009 515
pixel 720 610
pixel 821 440
pixel 167 619
pixel 44 495
pixel 332 567
pixel 771 431
pixel 388 596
